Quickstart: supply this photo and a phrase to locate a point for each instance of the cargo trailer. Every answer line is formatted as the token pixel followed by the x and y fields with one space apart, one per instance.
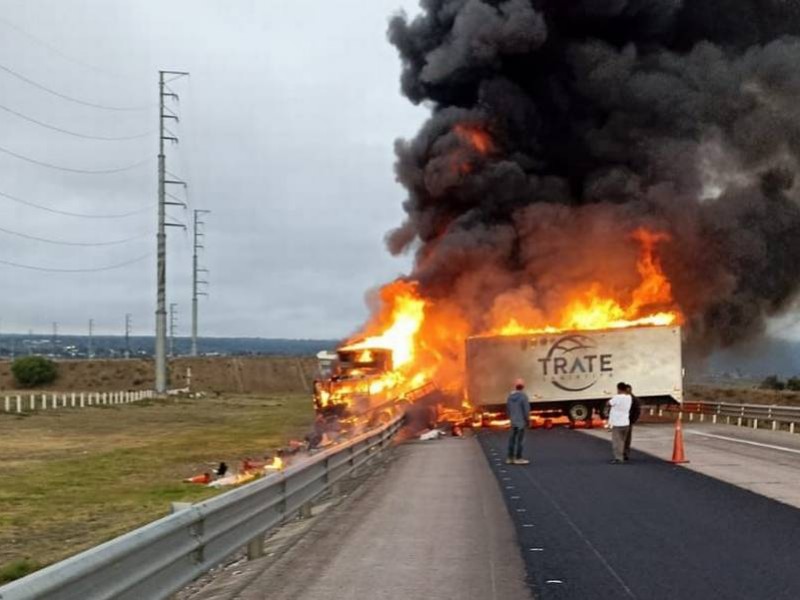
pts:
pixel 575 372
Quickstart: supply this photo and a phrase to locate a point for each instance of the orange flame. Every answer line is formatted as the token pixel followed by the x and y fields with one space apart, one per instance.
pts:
pixel 591 309
pixel 426 337
pixel 406 311
pixel 475 137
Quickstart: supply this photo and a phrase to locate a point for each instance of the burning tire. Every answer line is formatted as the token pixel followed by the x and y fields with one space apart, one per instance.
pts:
pixel 579 412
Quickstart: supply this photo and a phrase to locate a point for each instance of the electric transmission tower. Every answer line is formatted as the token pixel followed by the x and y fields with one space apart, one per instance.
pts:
pixel 196 270
pixel 127 335
pixel 164 114
pixel 173 317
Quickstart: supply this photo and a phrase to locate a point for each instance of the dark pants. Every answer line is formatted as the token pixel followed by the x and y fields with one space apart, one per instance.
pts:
pixel 627 451
pixel 515 442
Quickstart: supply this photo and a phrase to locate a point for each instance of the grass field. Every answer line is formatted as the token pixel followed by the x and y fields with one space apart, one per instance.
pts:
pixel 74 478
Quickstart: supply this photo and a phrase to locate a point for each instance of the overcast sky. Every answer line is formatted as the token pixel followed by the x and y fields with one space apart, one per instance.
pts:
pixel 287 128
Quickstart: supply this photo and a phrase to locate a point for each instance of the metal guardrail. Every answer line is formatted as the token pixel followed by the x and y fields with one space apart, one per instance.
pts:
pixel 160 558
pixel 750 415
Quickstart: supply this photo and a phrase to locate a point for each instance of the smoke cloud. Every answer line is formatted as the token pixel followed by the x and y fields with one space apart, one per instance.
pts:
pixel 558 128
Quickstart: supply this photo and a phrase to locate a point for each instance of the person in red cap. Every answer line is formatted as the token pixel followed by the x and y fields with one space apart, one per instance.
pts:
pixel 518 407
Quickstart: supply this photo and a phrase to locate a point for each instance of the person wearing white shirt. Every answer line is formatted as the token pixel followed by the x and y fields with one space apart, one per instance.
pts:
pixel 619 421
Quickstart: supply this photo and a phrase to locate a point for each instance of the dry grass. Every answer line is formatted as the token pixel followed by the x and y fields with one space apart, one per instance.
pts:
pixel 740 395
pixel 74 478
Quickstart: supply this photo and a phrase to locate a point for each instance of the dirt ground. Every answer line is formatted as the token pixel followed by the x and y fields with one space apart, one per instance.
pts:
pixel 75 478
pixel 260 374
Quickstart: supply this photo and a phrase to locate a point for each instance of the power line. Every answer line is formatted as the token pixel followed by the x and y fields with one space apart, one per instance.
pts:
pixel 70 169
pixel 44 88
pixel 74 214
pixel 64 243
pixel 57 51
pixel 94 270
pixel 75 133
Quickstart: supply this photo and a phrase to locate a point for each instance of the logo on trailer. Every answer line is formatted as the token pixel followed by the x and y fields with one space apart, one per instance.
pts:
pixel 573 363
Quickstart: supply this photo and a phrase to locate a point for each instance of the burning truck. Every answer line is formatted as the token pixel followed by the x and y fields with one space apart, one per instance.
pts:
pixel 569 373
pixel 359 382
pixel 582 196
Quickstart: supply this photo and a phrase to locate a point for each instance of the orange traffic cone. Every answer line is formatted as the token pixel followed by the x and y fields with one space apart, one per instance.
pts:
pixel 678 456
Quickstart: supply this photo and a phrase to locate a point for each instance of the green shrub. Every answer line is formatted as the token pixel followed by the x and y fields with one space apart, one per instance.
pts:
pixel 793 384
pixel 773 383
pixel 17 569
pixel 30 371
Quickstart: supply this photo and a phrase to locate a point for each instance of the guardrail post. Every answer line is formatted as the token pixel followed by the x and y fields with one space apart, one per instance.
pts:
pixel 64 400
pixel 305 511
pixel 19 404
pixel 741 415
pixel 32 399
pixel 755 423
pixel 255 548
pixel 44 401
pixel 8 404
pixel 791 427
pixel 72 399
pixel 82 400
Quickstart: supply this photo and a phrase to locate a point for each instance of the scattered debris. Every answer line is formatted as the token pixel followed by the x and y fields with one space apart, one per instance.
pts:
pixel 203 478
pixel 433 434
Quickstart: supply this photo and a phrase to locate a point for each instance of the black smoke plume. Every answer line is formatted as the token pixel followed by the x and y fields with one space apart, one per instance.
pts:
pixel 601 116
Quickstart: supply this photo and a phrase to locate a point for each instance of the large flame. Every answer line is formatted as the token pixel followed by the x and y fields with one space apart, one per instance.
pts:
pixel 403 316
pixel 426 337
pixel 592 309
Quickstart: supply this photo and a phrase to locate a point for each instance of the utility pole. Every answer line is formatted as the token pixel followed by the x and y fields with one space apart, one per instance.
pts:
pixel 164 134
pixel 173 309
pixel 127 335
pixel 55 339
pixel 90 353
pixel 198 222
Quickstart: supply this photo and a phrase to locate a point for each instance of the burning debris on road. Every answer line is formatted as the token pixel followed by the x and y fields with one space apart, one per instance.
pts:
pixel 588 165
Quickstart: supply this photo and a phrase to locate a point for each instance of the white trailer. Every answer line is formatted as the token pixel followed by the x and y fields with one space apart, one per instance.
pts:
pixel 575 372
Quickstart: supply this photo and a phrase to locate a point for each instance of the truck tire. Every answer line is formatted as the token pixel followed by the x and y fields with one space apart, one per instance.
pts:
pixel 579 412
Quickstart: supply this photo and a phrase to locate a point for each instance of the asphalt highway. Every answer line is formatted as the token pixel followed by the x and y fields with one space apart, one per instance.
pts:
pixel 647 529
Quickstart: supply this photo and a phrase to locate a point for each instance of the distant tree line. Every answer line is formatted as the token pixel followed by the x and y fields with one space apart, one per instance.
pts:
pixel 773 382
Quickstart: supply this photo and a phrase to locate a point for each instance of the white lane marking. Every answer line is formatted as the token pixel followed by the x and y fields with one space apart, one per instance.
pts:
pixel 515 497
pixel 580 533
pixel 748 442
pixel 537 549
pixel 527 524
pixel 556 581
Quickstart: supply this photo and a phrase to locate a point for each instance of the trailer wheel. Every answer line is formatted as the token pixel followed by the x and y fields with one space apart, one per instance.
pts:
pixel 579 412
